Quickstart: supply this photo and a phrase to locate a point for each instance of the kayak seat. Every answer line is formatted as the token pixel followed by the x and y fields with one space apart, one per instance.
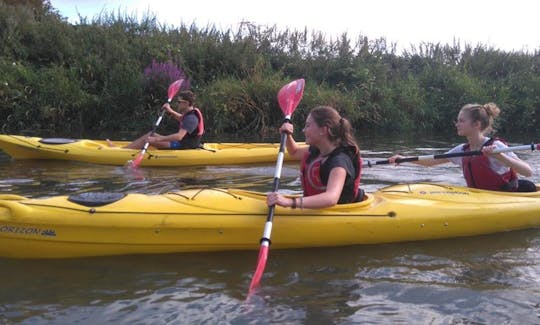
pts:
pixel 57 140
pixel 361 195
pixel 526 186
pixel 96 199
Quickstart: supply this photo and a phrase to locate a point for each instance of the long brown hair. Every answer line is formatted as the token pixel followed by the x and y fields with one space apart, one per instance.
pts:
pixel 339 128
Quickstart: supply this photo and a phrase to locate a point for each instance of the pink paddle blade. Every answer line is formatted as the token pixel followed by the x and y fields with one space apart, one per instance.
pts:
pixel 289 96
pixel 137 161
pixel 261 264
pixel 173 89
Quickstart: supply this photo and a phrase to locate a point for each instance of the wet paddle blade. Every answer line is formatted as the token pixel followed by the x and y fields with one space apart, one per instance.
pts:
pixel 289 96
pixel 137 161
pixel 261 264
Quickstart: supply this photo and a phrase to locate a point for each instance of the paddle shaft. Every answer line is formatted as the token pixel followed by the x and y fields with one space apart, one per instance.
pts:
pixel 265 240
pixel 531 147
pixel 158 122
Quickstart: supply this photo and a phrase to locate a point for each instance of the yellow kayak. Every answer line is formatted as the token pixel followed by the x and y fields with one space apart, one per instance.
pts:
pixel 99 152
pixel 196 220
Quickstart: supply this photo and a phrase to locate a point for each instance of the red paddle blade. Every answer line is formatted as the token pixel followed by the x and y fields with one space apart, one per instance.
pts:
pixel 137 161
pixel 261 264
pixel 289 96
pixel 173 88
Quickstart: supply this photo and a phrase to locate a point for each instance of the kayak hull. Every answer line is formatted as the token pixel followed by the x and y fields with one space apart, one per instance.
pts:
pixel 204 220
pixel 99 152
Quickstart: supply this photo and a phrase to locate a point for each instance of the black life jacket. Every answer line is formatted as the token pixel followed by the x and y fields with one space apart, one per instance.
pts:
pixel 315 174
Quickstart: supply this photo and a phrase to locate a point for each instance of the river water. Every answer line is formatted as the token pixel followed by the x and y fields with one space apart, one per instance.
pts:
pixel 491 279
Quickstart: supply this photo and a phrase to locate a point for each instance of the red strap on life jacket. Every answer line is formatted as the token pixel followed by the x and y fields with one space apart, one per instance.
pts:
pixel 200 126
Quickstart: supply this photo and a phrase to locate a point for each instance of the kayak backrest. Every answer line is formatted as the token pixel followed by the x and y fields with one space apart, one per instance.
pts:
pixel 96 199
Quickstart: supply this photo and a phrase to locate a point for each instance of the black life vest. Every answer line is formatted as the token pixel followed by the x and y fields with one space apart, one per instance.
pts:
pixel 315 173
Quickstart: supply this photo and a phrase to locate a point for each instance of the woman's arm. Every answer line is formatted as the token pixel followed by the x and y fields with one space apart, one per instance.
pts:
pixel 518 165
pixel 177 116
pixel 293 148
pixel 329 198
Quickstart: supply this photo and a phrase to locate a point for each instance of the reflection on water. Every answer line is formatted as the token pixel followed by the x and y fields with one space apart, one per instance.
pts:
pixel 485 279
pixel 35 178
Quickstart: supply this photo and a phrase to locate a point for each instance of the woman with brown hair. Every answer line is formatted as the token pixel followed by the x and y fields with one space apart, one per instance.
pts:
pixel 331 165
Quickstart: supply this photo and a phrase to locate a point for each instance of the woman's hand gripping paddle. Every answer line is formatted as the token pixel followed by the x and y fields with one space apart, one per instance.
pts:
pixel 171 92
pixel 288 97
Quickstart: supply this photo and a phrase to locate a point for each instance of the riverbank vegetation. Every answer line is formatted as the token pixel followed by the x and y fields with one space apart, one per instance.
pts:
pixel 88 79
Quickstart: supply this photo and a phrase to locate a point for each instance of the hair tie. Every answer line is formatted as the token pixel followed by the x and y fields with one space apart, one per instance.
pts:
pixel 341 121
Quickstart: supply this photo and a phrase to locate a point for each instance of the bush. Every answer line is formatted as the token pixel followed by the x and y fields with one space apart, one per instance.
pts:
pixel 89 78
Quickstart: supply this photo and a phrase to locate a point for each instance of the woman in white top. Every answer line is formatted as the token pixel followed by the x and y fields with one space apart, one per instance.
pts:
pixel 490 171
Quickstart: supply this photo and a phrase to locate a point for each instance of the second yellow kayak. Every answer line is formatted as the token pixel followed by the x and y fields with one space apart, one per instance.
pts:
pixel 99 152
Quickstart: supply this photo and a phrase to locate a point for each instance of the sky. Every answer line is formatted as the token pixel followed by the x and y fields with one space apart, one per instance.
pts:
pixel 509 25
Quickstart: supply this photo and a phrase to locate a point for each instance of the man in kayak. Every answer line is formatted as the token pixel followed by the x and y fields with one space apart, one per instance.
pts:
pixel 331 165
pixel 490 171
pixel 190 128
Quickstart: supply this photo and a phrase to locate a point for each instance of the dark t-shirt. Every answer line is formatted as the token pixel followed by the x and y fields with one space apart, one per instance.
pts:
pixel 190 122
pixel 343 160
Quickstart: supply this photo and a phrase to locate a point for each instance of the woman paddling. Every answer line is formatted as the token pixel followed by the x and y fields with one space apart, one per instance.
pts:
pixel 331 165
pixel 490 171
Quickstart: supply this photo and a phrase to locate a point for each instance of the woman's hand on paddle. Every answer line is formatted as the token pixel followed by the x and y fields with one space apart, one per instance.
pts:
pixel 286 128
pixel 153 139
pixel 273 198
pixel 488 150
pixel 168 108
pixel 515 163
pixel 393 159
pixel 294 150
